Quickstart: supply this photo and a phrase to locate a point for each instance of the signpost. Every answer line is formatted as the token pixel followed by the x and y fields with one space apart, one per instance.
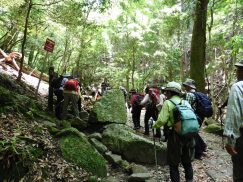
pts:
pixel 49 47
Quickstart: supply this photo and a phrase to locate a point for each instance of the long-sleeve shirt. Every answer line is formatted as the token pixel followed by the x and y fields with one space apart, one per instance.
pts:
pixel 166 115
pixel 234 115
pixel 145 100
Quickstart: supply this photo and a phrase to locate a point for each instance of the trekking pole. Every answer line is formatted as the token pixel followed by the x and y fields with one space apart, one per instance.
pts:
pixel 221 124
pixel 155 151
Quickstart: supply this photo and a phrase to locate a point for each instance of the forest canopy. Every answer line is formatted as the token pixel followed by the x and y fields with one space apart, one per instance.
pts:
pixel 128 42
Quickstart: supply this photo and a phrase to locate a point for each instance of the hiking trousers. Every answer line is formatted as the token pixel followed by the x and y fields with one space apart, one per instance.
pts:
pixel 238 160
pixel 151 111
pixel 136 112
pixel 73 98
pixel 180 150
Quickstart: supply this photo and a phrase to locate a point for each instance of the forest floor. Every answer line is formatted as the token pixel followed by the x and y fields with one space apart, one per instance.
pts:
pixel 214 166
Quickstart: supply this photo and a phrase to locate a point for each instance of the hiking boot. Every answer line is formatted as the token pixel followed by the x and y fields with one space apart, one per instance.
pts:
pixel 146 133
pixel 157 135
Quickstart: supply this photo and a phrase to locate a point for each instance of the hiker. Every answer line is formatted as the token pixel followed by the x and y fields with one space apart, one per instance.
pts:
pixel 179 149
pixel 136 98
pixel 150 100
pixel 71 94
pixel 162 98
pixel 190 96
pixel 233 127
pixel 104 86
pixel 124 91
pixel 57 84
pixel 10 58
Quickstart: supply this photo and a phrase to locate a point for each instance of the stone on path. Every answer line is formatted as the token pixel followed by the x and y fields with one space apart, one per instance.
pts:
pixel 122 140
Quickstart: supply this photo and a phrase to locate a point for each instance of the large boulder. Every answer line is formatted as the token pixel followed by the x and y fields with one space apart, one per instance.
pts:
pixel 76 148
pixel 121 139
pixel 109 109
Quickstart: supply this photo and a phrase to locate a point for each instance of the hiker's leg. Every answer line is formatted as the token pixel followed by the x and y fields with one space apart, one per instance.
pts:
pixel 79 104
pixel 173 155
pixel 74 101
pixel 188 171
pixel 174 173
pixel 200 146
pixel 65 105
pixel 146 121
pixel 187 156
pixel 155 113
pixel 238 161
pixel 136 117
pixel 139 114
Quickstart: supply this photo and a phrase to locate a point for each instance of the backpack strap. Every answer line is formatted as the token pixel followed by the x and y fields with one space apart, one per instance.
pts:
pixel 175 103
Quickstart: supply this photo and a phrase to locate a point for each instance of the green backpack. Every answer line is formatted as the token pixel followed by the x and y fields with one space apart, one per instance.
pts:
pixel 186 123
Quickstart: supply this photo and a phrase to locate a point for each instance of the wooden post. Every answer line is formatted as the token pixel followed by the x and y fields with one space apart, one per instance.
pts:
pixel 50 91
pixel 43 68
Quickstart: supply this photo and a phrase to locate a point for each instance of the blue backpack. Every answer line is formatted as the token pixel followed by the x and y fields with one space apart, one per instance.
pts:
pixel 203 105
pixel 186 123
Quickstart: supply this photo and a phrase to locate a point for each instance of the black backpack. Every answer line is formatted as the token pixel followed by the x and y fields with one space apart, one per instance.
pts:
pixel 139 98
pixel 57 82
pixel 203 105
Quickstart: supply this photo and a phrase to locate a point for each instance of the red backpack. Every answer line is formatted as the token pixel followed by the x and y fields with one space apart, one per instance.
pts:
pixel 71 85
pixel 154 95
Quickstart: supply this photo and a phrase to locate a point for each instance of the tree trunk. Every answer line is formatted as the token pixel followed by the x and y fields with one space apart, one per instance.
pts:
pixel 133 65
pixel 24 39
pixel 198 45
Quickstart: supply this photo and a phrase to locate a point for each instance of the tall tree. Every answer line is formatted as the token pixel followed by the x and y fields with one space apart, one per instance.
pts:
pixel 198 45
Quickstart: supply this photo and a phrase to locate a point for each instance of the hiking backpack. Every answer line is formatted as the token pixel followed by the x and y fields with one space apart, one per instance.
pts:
pixel 139 98
pixel 71 85
pixel 186 123
pixel 154 95
pixel 57 82
pixel 203 105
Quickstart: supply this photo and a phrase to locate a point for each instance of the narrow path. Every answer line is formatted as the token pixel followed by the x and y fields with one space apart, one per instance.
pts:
pixel 215 166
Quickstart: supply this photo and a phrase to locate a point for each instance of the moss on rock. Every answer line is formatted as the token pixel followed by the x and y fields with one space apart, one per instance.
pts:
pixel 77 149
pixel 110 109
pixel 214 128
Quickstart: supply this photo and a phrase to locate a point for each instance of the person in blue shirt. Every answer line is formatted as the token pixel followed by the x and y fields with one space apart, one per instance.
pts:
pixel 233 128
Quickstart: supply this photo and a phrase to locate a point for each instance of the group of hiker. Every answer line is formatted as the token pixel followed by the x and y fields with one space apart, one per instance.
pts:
pixel 180 118
pixel 177 111
pixel 68 91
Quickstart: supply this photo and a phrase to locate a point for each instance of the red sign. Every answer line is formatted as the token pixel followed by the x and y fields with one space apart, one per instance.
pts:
pixel 49 45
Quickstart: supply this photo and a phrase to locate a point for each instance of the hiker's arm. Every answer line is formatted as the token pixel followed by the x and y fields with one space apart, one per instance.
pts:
pixel 3 53
pixel 163 116
pixel 15 64
pixel 230 146
pixel 145 100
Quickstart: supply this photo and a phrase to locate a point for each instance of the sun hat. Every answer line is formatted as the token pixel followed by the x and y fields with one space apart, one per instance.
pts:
pixel 174 87
pixel 190 83
pixel 240 63
pixel 133 90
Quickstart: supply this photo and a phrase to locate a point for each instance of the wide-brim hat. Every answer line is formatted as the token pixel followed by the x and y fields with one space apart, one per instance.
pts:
pixel 174 87
pixel 132 90
pixel 190 83
pixel 239 64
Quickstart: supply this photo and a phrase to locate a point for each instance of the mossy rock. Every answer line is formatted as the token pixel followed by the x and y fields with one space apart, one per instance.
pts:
pixel 214 128
pixel 110 108
pixel 122 140
pixel 76 148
